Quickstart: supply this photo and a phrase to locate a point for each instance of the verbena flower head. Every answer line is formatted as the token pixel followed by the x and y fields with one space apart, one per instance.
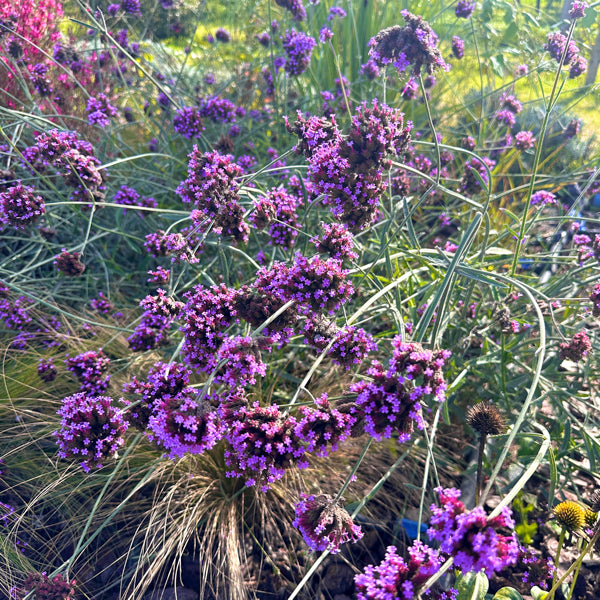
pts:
pixel 542 198
pixel 524 140
pixel 131 6
pixel 536 570
pixel 464 9
pixel 218 110
pixel 510 102
pixel 46 588
pixel 188 122
pixel 458 47
pixel 555 45
pixel 470 183
pixel 336 241
pixel 595 298
pixel 89 368
pixel 100 110
pixel 46 370
pixel 20 206
pixel 242 358
pixel 577 10
pixel 222 35
pixel 127 196
pixel 414 45
pixel 69 263
pixel 572 129
pixel 370 70
pixel 577 349
pixel 395 578
pixel 578 66
pixel 295 7
pixel 298 48
pixel 324 523
pixel 91 429
pixel 325 34
pixel 471 536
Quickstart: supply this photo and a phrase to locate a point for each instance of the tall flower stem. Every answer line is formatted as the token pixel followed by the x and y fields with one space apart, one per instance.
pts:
pixel 479 483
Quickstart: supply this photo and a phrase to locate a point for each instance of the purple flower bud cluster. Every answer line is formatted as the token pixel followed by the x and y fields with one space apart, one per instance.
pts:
pixel 471 537
pixel 188 122
pixel 295 7
pixel 536 570
pixel 464 9
pixel 414 45
pixel 262 445
pixel 391 400
pixel 222 35
pixel 370 70
pixel 92 430
pixel 20 206
pixel 175 245
pixel 185 422
pixel 298 48
pixel 264 39
pixel 130 197
pixel 131 6
pixel 241 360
pixel 396 578
pixel 46 370
pixel 89 368
pixel 348 171
pixel 102 304
pixel 207 313
pixel 279 209
pixel 572 129
pixel 41 82
pixel 152 331
pixel 336 12
pixel 524 140
pixel 458 47
pixel 316 285
pixel 159 277
pixel 46 588
pixel 325 34
pixel 324 523
pixel 510 102
pixel 14 314
pixel 322 428
pixel 470 183
pixel 577 10
pixel 556 45
pixel 100 110
pixel 212 187
pixel 595 298
pixel 336 241
pixel 542 198
pixel 219 110
pixel 69 263
pixel 63 153
pixel 577 349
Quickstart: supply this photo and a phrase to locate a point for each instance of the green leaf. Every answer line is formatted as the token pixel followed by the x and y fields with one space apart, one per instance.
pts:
pixel 507 593
pixel 511 33
pixel 472 586
pixel 538 593
pixel 590 17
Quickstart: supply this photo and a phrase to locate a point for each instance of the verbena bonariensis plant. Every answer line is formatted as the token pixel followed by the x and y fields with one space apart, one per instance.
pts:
pixel 224 287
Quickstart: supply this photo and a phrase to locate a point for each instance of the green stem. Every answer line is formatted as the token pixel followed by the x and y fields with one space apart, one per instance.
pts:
pixel 479 483
pixel 561 541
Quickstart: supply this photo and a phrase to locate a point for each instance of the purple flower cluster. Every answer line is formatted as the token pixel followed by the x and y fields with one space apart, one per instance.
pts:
pixel 241 360
pixel 577 10
pixel 219 110
pixel 324 523
pixel 175 245
pixel 212 187
pixel 159 277
pixel 556 45
pixel 395 578
pixel 188 122
pixel 298 49
pixel 458 47
pixel 222 35
pixel 524 140
pixel 89 368
pixel 414 45
pixel 20 206
pixel 348 170
pixel 279 209
pixel 100 110
pixel 69 263
pixel 470 183
pixel 511 103
pixel 370 70
pixel 207 313
pixel 336 12
pixel 316 285
pixel 322 428
pixel 46 370
pixel 46 588
pixel 130 197
pixel 471 536
pixel 64 153
pixel 152 331
pixel 295 7
pixel 391 400
pixel 464 9
pixel 91 429
pixel 542 198
pixel 336 241
pixel 595 298
pixel 262 445
pixel 572 129
pixel 537 571
pixel 577 349
pixel 102 304
pixel 42 83
pixel 131 6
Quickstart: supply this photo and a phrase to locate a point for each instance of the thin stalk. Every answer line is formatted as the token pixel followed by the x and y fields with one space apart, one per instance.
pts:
pixel 561 541
pixel 479 484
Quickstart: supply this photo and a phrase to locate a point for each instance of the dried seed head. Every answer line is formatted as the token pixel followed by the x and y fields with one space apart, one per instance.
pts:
pixel 595 501
pixel 485 418
pixel 569 515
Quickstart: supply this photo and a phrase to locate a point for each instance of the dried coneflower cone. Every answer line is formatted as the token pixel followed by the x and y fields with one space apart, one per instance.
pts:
pixel 569 515
pixel 595 502
pixel 485 418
